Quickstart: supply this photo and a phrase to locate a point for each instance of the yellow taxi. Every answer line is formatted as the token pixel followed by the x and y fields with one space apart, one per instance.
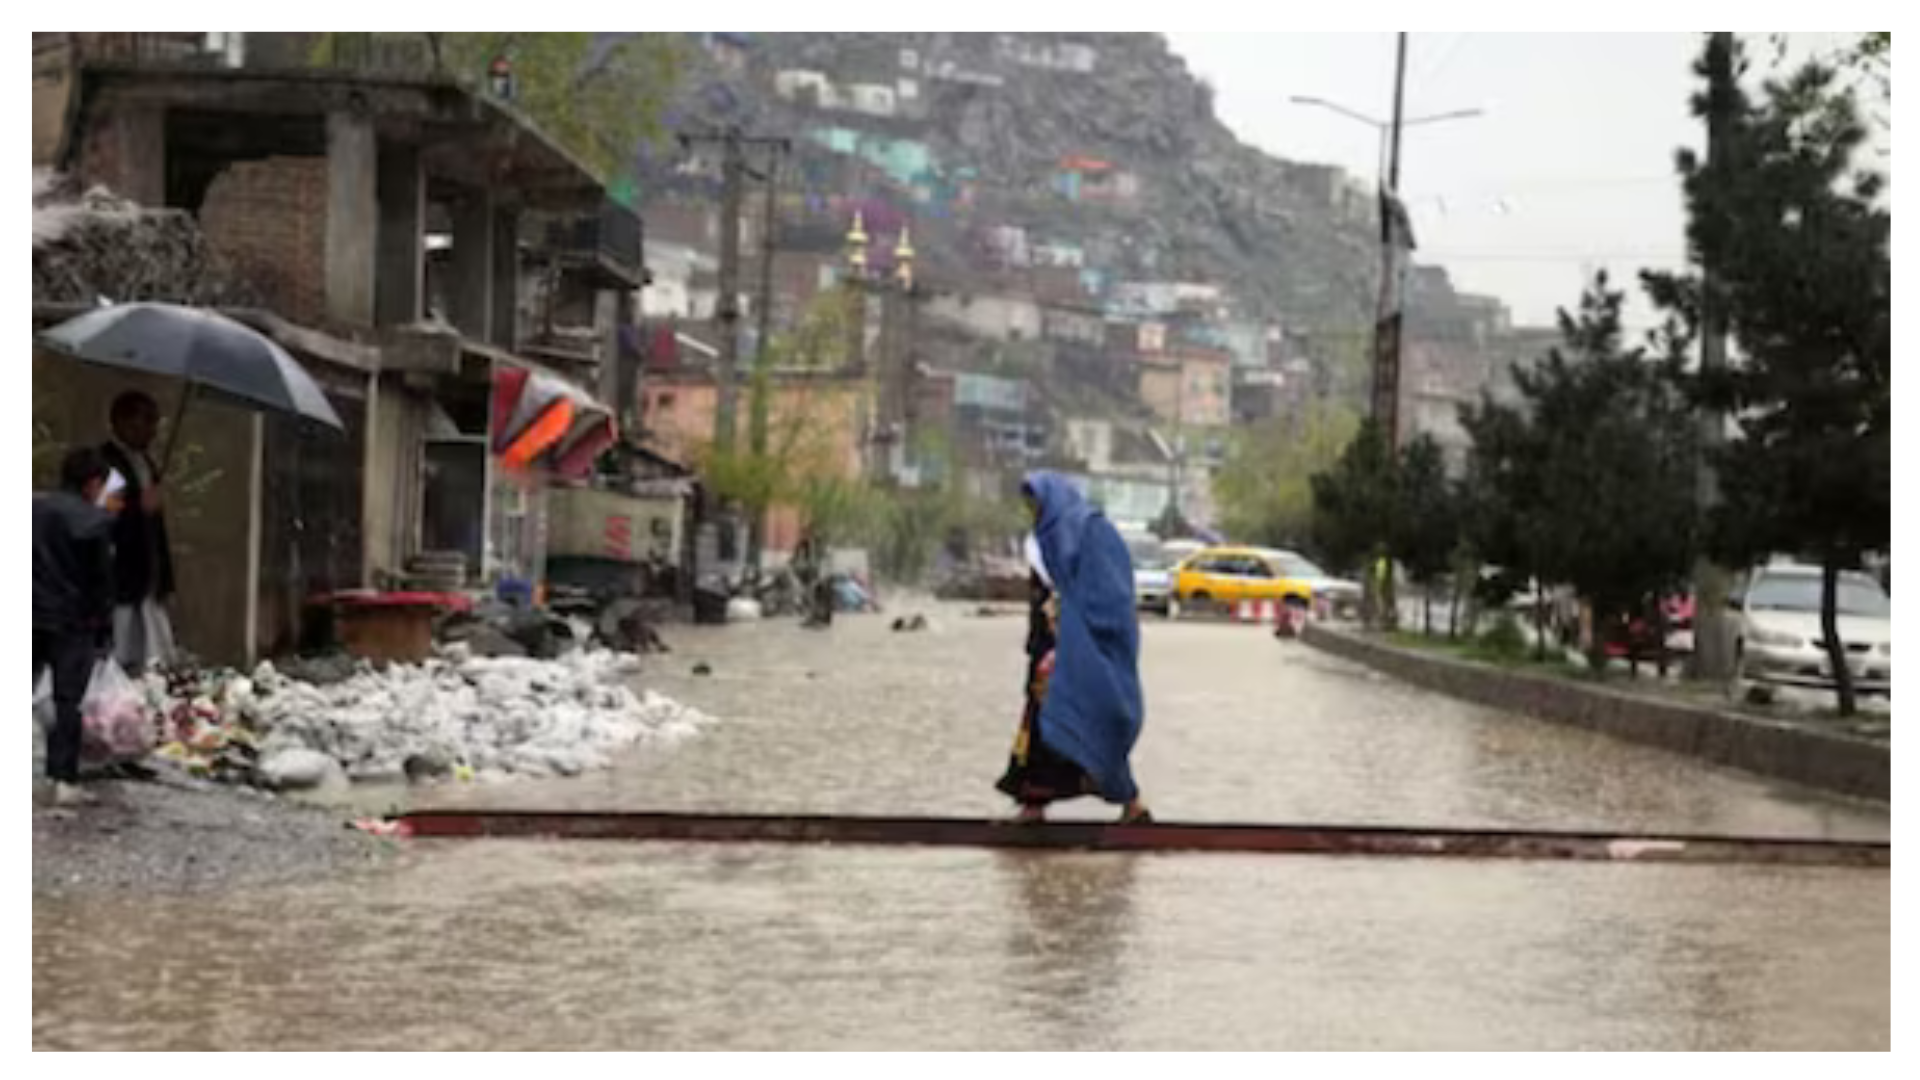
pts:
pixel 1228 575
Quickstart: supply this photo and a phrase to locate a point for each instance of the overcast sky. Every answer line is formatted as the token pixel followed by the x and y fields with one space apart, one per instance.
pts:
pixel 1570 169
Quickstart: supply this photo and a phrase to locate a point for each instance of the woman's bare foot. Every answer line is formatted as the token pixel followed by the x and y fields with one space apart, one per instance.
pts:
pixel 1136 813
pixel 1030 815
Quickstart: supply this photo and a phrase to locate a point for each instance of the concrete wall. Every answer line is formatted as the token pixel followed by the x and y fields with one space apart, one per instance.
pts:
pixel 126 151
pixel 1000 318
pixel 52 90
pixel 392 503
pixel 1206 401
pixel 1782 751
pixel 815 425
pixel 1160 389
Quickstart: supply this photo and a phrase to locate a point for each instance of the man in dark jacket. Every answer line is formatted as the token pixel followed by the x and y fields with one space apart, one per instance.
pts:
pixel 142 560
pixel 72 602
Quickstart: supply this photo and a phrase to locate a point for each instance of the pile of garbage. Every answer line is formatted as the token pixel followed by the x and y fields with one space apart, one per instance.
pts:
pixel 458 716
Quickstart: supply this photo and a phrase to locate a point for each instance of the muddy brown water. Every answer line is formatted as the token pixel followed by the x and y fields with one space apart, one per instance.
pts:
pixel 613 945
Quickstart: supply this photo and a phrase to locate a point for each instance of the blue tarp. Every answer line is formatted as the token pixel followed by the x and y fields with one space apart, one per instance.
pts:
pixel 1093 709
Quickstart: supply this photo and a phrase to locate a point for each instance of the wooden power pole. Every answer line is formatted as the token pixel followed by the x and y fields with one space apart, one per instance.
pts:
pixel 733 169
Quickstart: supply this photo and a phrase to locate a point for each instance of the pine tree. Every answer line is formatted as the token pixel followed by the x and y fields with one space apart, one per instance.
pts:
pixel 1799 236
pixel 1589 483
pixel 1426 525
pixel 1353 509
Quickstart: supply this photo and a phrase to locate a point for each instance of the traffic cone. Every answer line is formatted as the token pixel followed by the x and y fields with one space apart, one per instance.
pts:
pixel 1285 626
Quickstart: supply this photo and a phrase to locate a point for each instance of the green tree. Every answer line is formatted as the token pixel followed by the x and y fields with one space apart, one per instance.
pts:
pixel 1426 526
pixel 1589 482
pixel 1265 488
pixel 1799 238
pixel 790 461
pixel 599 95
pixel 1353 512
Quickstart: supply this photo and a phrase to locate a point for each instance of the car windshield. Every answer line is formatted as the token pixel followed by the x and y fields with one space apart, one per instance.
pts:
pixel 1147 554
pixel 1801 592
pixel 1295 566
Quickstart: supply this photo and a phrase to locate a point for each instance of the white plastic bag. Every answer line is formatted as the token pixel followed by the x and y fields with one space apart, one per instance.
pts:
pixel 142 636
pixel 43 701
pixel 42 719
pixel 114 722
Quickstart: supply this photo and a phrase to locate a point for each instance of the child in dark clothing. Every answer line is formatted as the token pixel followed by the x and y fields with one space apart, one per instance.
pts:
pixel 72 602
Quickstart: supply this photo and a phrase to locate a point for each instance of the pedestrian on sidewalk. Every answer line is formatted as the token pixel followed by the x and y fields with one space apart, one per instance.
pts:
pixel 72 603
pixel 142 558
pixel 1085 709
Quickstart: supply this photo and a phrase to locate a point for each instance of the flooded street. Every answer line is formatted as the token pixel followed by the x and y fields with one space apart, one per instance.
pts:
pixel 628 946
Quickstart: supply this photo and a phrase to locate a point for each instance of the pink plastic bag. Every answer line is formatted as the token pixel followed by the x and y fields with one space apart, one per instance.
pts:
pixel 114 724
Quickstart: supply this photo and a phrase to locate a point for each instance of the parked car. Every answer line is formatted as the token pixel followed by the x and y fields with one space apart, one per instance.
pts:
pixel 1777 638
pixel 1340 594
pixel 1152 573
pixel 1179 551
pixel 1228 575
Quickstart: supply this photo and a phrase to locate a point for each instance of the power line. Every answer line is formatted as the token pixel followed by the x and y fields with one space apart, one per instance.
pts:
pixel 1543 258
pixel 1543 187
pixel 1430 71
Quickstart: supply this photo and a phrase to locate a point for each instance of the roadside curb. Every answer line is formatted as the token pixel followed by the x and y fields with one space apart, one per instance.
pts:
pixel 1829 762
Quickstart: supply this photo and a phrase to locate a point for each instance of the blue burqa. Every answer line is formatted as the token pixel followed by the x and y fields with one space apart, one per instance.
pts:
pixel 1092 712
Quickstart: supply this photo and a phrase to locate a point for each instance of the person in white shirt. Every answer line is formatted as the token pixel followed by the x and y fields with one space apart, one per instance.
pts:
pixel 142 559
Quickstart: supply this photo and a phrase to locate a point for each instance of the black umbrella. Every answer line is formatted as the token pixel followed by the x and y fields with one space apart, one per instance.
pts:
pixel 205 349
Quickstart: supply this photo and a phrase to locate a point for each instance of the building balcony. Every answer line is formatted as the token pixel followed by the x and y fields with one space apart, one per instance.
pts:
pixel 605 245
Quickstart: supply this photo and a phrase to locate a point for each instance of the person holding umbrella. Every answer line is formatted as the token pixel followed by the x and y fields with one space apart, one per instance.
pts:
pixel 211 355
pixel 142 559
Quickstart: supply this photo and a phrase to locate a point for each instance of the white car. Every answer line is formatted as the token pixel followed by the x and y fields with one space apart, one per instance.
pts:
pixel 1152 573
pixel 1777 638
pixel 1340 594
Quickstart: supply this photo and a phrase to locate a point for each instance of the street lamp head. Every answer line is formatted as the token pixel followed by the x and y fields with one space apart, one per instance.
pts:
pixel 1456 114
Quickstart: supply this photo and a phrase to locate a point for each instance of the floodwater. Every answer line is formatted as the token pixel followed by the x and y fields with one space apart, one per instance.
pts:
pixel 629 946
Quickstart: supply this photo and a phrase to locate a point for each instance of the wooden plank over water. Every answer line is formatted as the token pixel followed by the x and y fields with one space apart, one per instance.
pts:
pixel 1093 836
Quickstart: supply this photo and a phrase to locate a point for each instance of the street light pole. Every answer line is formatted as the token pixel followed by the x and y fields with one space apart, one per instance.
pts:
pixel 1395 241
pixel 1388 319
pixel 1395 238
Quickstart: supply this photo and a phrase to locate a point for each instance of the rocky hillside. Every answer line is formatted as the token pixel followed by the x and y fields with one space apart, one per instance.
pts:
pixel 1103 148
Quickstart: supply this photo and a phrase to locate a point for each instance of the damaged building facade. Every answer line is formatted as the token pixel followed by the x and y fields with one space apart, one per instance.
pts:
pixel 453 280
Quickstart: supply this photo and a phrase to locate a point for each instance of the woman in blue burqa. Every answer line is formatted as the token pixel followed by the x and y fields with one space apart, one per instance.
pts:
pixel 1084 709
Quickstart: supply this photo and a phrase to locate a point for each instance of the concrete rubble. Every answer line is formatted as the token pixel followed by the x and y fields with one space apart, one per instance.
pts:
pixel 458 716
pixel 484 717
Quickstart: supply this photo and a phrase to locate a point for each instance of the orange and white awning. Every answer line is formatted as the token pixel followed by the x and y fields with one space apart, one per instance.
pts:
pixel 543 420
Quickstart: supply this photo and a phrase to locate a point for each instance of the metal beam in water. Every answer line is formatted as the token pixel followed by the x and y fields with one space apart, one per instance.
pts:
pixel 1094 836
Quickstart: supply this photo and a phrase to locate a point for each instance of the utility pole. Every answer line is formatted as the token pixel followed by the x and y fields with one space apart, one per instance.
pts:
pixel 1390 320
pixel 728 310
pixel 763 345
pixel 733 168
pixel 1712 645
pixel 1386 345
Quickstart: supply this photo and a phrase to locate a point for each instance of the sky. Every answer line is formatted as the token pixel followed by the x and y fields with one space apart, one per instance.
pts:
pixel 1570 168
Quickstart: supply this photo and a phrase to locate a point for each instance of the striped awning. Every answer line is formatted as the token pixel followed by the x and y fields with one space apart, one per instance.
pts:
pixel 541 420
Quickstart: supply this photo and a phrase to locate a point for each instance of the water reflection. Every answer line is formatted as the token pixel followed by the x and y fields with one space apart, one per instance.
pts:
pixel 1069 923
